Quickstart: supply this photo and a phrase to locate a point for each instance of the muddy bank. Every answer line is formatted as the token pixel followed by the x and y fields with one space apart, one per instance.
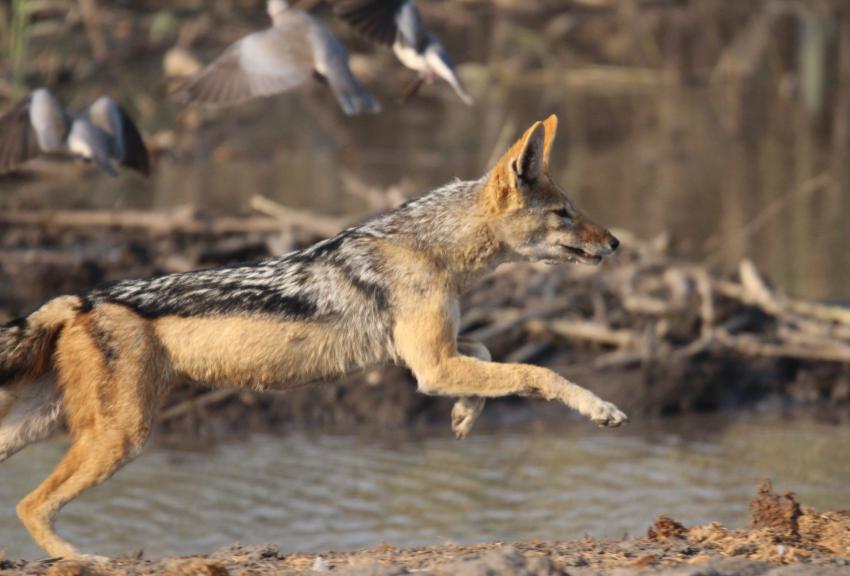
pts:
pixel 784 538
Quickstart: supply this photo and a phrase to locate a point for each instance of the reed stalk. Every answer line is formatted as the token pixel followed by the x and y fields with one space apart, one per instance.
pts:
pixel 19 43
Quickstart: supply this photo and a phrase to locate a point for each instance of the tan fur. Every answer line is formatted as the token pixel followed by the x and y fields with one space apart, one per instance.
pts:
pixel 109 409
pixel 30 412
pixel 501 195
pixel 424 340
pixel 467 409
pixel 113 367
pixel 247 352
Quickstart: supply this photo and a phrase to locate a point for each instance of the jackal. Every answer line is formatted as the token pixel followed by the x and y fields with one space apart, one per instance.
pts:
pixel 382 292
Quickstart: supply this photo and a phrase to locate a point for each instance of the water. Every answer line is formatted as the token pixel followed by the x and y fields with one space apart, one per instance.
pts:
pixel 314 493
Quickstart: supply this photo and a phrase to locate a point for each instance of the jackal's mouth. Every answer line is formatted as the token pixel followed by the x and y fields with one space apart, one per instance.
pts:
pixel 580 256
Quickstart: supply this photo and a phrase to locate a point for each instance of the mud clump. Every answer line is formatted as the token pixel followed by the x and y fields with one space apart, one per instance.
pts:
pixel 775 512
pixel 666 527
pixel 782 531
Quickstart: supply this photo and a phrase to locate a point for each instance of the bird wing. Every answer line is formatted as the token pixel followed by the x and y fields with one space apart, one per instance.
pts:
pixel 261 64
pixel 410 26
pixel 50 122
pixel 89 142
pixel 377 20
pixel 331 61
pixel 441 63
pixel 18 140
pixel 127 145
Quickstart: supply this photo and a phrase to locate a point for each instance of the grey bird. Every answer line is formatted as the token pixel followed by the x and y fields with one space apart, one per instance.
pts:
pixel 103 133
pixel 397 23
pixel 282 57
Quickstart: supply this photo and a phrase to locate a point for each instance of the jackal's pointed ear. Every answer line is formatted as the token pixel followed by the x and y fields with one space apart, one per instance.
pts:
pixel 551 126
pixel 528 165
pixel 520 166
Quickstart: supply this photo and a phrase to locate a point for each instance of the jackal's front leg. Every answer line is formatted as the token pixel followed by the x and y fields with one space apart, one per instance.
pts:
pixel 425 340
pixel 463 376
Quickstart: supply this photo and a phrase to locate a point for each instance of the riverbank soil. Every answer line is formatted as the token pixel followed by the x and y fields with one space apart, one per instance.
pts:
pixel 784 538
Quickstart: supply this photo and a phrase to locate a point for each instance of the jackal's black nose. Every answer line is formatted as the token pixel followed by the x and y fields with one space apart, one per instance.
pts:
pixel 613 242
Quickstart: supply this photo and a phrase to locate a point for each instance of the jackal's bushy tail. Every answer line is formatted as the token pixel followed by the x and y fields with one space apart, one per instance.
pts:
pixel 29 405
pixel 26 344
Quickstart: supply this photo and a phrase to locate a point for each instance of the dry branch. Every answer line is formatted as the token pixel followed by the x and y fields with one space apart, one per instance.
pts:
pixel 318 224
pixel 181 220
pixel 193 404
pixel 753 346
pixel 590 332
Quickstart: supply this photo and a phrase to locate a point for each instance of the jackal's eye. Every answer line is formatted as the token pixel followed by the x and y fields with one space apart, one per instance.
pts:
pixel 561 213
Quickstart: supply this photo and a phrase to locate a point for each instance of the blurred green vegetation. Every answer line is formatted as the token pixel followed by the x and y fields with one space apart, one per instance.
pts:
pixel 18 42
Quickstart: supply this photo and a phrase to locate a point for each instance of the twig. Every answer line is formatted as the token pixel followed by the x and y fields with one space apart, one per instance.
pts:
pixel 377 200
pixel 771 211
pixel 752 346
pixel 502 142
pixel 325 226
pixel 527 351
pixel 591 332
pixel 195 403
pixel 94 30
pixel 179 220
pixel 515 319
pixel 755 291
pixel 706 308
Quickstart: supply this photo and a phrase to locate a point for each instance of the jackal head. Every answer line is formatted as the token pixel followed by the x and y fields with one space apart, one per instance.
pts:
pixel 531 215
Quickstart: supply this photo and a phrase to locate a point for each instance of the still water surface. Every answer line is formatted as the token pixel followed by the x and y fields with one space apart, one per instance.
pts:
pixel 314 493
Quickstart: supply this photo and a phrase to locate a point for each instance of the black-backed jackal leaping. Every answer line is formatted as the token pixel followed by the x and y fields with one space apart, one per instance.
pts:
pixel 385 291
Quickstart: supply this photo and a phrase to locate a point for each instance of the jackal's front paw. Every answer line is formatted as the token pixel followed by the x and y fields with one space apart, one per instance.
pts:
pixel 606 414
pixel 464 414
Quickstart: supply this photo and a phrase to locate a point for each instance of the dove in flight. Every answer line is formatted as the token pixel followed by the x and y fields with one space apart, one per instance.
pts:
pixel 397 23
pixel 103 133
pixel 295 48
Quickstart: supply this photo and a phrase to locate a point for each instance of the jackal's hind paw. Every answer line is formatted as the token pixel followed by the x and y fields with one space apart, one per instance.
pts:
pixel 608 415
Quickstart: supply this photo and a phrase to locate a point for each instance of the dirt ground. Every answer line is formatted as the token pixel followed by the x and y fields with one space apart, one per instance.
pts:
pixel 784 538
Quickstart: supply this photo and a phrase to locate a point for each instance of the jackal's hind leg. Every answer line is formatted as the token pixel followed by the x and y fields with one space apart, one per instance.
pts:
pixel 467 409
pixel 93 457
pixel 109 404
